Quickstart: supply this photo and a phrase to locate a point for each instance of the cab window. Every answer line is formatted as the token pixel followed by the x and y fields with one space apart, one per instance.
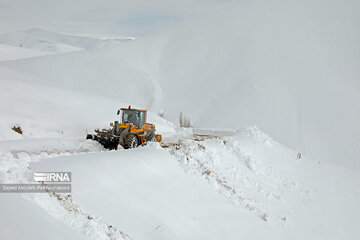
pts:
pixel 131 116
pixel 142 119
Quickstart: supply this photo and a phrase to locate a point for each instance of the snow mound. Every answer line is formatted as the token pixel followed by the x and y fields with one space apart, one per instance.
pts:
pixel 147 194
pixel 249 168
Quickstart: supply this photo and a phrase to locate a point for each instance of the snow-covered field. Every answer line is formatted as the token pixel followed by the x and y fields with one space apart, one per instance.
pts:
pixel 238 70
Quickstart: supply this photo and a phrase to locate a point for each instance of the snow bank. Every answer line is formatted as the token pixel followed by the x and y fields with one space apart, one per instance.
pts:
pixel 231 186
pixel 249 168
pixel 276 184
pixel 14 168
pixel 149 196
pixel 21 219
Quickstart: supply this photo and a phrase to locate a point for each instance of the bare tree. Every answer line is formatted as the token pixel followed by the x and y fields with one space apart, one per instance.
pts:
pixel 189 123
pixel 184 121
pixel 181 120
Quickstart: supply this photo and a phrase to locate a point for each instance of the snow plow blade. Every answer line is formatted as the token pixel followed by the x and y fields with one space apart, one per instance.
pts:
pixel 109 142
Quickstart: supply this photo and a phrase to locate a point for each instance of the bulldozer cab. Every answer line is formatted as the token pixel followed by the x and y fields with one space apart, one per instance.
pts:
pixel 134 116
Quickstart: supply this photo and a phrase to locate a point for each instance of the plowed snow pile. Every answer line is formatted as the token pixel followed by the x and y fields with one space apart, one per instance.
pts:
pixel 280 186
pixel 250 168
pixel 213 187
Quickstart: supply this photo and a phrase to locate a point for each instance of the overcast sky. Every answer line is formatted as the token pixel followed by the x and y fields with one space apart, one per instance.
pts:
pixel 124 17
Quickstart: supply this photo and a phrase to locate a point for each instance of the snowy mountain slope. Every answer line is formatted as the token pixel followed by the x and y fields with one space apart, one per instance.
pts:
pixel 11 53
pixel 290 68
pixel 43 111
pixel 28 40
pixel 23 103
pixel 123 72
pixel 40 39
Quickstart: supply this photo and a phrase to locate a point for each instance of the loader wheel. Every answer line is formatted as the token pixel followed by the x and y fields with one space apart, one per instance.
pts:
pixel 151 138
pixel 131 141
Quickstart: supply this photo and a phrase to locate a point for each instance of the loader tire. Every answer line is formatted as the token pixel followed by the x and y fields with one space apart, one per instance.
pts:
pixel 131 141
pixel 151 138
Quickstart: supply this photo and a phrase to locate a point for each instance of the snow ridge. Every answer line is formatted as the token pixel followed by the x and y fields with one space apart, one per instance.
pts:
pixel 242 168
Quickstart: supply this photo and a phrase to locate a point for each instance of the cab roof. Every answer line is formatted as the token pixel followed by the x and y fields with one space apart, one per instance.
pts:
pixel 134 109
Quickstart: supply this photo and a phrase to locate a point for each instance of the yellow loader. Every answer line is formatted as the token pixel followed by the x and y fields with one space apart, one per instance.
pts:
pixel 130 133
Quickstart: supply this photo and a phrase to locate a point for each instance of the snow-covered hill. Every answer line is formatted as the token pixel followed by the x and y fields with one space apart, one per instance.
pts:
pixel 10 53
pixel 39 39
pixel 292 69
pixel 44 110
